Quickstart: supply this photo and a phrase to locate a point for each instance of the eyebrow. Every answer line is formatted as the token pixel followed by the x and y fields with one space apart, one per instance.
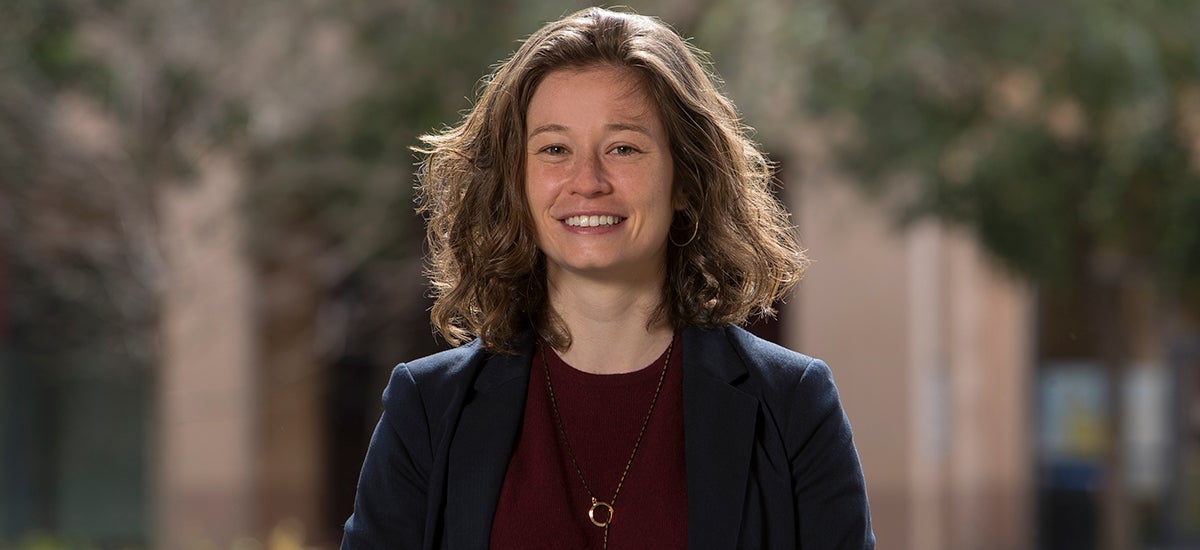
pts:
pixel 620 127
pixel 547 128
pixel 615 127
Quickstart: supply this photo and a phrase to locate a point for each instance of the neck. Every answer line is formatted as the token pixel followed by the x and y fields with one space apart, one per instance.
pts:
pixel 609 324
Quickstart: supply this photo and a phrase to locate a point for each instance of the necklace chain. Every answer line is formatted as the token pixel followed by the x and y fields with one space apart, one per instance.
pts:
pixel 598 504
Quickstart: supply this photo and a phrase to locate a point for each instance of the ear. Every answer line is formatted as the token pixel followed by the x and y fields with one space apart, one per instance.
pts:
pixel 679 198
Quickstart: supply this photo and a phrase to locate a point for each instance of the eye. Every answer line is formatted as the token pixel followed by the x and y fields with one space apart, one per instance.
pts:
pixel 624 150
pixel 553 150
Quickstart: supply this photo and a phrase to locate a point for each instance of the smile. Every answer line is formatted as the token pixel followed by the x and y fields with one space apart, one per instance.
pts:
pixel 593 221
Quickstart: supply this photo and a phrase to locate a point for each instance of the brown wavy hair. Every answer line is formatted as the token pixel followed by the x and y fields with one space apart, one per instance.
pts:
pixel 488 275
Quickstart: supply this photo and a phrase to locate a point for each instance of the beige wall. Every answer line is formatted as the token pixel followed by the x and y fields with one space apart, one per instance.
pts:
pixel 238 451
pixel 930 348
pixel 204 445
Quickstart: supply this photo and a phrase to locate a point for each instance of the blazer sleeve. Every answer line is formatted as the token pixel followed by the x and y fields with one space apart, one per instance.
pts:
pixel 390 507
pixel 827 479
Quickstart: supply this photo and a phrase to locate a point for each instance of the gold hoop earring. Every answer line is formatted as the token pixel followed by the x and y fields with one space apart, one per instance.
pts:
pixel 695 231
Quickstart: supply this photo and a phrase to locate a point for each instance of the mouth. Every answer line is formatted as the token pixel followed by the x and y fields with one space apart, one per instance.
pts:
pixel 593 221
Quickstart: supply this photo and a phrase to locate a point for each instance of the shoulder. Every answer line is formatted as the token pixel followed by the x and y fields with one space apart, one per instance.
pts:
pixel 443 366
pixel 422 397
pixel 796 391
pixel 438 378
pixel 776 365
pixel 447 378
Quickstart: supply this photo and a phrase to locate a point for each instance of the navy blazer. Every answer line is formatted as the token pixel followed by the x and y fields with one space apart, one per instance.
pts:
pixel 770 459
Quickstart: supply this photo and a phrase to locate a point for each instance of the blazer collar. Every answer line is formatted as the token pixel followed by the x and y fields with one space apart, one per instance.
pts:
pixel 487 431
pixel 719 426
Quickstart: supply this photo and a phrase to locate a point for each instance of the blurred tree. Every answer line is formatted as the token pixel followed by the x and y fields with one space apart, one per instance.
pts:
pixel 107 109
pixel 1066 135
pixel 105 104
pixel 61 208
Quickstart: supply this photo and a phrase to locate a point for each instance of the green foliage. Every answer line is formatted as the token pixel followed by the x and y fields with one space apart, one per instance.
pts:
pixel 426 61
pixel 1058 131
pixel 40 45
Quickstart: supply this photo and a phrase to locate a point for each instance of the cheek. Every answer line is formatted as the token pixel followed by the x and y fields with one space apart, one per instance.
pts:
pixel 538 187
pixel 532 192
pixel 538 200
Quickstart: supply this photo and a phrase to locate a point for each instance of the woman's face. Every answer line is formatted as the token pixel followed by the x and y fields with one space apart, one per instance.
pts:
pixel 598 176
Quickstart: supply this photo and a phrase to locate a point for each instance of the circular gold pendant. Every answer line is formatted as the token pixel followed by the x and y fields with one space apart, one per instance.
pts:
pixel 604 517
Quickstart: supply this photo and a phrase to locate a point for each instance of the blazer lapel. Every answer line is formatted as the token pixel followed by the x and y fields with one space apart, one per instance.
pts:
pixel 483 443
pixel 719 425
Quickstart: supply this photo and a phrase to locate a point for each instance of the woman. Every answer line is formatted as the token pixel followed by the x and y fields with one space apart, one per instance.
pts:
pixel 598 225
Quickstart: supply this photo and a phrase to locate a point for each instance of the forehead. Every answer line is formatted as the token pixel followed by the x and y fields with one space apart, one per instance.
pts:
pixel 618 91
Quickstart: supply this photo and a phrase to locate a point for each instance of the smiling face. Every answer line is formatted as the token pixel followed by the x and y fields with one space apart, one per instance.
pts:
pixel 598 176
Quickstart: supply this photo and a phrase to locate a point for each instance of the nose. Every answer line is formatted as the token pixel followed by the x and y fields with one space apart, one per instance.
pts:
pixel 590 178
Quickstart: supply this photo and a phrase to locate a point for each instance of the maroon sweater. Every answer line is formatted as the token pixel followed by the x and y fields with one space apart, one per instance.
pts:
pixel 543 503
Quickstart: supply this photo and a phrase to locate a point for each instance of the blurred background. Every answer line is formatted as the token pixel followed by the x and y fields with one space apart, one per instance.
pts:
pixel 209 260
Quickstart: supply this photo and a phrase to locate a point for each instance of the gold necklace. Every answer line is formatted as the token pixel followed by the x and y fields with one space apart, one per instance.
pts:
pixel 601 513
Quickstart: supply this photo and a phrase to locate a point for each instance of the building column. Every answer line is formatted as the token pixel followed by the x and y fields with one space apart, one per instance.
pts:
pixel 203 451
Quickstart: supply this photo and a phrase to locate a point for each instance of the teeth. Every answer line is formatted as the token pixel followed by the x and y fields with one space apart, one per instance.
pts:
pixel 592 221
